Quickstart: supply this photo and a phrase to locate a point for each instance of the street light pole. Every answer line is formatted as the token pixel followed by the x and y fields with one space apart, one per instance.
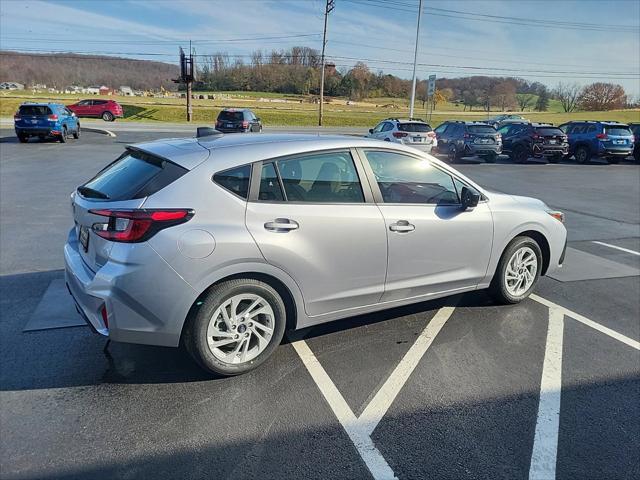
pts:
pixel 415 61
pixel 330 5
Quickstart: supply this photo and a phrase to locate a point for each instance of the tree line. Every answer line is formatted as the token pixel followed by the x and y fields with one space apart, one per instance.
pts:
pixel 297 71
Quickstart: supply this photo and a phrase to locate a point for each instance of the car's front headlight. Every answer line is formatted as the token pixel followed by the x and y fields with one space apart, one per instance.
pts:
pixel 557 215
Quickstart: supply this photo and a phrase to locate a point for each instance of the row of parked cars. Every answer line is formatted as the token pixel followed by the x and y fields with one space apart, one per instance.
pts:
pixel 516 137
pixel 55 120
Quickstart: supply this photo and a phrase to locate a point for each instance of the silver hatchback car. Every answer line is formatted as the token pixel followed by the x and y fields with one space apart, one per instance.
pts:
pixel 222 242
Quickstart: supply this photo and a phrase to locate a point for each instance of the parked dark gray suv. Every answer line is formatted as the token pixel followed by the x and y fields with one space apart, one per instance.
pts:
pixel 457 139
pixel 233 120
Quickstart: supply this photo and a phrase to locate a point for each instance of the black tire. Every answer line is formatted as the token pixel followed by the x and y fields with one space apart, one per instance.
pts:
pixel 108 116
pixel 555 159
pixel 23 138
pixel 582 154
pixel 452 154
pixel 520 154
pixel 498 287
pixel 194 337
pixel 490 158
pixel 636 155
pixel 63 135
pixel 76 134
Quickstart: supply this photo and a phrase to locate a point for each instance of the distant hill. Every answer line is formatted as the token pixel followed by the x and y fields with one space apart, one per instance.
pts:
pixel 64 69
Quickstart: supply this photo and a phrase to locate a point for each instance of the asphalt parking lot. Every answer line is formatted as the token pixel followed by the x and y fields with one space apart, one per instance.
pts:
pixel 456 388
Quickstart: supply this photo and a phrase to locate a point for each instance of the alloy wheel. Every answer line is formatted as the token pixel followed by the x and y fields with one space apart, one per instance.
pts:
pixel 521 271
pixel 240 328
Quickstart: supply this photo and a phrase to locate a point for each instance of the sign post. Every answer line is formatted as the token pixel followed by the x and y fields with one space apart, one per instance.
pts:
pixel 431 90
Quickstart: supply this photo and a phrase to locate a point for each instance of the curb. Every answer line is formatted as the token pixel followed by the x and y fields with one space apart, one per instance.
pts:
pixel 102 131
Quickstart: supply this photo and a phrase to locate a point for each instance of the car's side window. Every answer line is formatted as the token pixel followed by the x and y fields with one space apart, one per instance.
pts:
pixel 441 128
pixel 406 179
pixel 578 129
pixel 378 128
pixel 269 184
pixel 591 129
pixel 321 178
pixel 236 180
pixel 387 126
pixel 504 130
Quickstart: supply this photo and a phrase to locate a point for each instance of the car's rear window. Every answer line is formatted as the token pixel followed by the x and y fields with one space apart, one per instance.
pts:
pixel 231 116
pixel 621 131
pixel 35 110
pixel 481 129
pixel 547 132
pixel 134 175
pixel 414 127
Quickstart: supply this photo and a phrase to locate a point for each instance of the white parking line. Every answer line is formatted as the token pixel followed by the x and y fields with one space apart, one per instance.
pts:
pixel 590 323
pixel 633 252
pixel 360 429
pixel 545 443
pixel 383 399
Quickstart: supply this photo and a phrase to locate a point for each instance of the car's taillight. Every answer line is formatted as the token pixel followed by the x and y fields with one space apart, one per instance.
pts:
pixel 466 135
pixel 602 136
pixel 105 317
pixel 431 134
pixel 16 117
pixel 245 124
pixel 218 123
pixel 53 117
pixel 400 134
pixel 132 226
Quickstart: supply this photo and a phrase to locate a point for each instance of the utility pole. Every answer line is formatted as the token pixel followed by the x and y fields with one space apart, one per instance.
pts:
pixel 330 5
pixel 415 61
pixel 189 79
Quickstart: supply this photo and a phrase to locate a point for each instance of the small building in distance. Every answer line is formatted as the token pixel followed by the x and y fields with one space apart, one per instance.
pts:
pixel 126 91
pixel 103 90
pixel 93 90
pixel 11 86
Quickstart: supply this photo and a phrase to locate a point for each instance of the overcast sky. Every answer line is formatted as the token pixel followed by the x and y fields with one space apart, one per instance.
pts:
pixel 454 40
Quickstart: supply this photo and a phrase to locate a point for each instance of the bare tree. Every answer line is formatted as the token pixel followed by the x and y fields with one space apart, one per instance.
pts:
pixel 568 94
pixel 602 96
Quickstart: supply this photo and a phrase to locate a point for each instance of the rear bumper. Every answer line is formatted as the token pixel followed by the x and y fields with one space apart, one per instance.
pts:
pixel 482 149
pixel 36 131
pixel 145 300
pixel 550 150
pixel 426 148
pixel 615 152
pixel 233 130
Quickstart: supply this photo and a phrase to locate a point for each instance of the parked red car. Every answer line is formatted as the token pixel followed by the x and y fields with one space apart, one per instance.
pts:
pixel 108 110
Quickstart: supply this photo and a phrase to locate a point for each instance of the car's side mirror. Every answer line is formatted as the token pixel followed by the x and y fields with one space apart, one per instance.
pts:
pixel 469 198
pixel 257 119
pixel 371 130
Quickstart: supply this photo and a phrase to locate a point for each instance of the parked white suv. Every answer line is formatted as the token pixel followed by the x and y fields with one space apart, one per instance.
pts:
pixel 413 132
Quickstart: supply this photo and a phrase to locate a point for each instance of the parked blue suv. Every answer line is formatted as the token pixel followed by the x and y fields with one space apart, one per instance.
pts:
pixel 44 120
pixel 598 139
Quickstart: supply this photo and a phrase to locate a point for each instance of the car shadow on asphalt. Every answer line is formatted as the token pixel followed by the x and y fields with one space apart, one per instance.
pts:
pixel 74 356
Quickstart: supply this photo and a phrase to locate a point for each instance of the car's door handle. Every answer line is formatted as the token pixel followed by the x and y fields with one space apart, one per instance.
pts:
pixel 402 226
pixel 281 225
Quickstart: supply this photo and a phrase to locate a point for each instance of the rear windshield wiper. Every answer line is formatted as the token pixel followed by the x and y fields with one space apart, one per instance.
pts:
pixel 91 193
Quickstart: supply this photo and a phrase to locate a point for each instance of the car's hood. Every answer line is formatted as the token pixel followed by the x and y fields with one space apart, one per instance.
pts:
pixel 517 199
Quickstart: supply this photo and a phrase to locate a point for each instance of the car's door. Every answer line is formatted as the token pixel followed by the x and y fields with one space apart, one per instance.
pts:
pixel 510 138
pixel 82 107
pixel 97 107
pixel 439 131
pixel 70 120
pixel 312 218
pixel 434 245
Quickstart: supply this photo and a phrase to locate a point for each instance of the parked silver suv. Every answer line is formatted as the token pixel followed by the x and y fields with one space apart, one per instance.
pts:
pixel 223 242
pixel 413 132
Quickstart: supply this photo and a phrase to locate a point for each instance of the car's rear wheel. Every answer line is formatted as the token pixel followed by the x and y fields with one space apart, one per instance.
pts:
pixel 236 328
pixel 452 154
pixel 582 154
pixel 520 155
pixel 490 158
pixel 107 116
pixel 76 134
pixel 63 135
pixel 518 271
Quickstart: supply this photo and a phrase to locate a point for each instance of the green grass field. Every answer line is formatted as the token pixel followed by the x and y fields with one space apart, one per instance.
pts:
pixel 296 110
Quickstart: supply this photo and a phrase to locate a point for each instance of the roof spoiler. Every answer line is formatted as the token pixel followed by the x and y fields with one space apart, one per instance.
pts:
pixel 207 132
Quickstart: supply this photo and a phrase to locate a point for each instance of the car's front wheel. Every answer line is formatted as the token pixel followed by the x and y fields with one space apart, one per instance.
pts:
pixel 76 134
pixel 63 135
pixel 518 271
pixel 236 328
pixel 108 116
